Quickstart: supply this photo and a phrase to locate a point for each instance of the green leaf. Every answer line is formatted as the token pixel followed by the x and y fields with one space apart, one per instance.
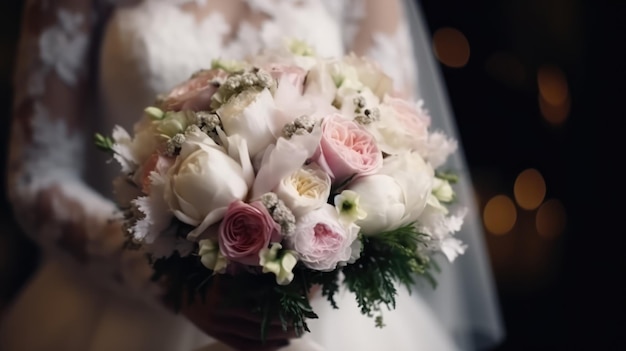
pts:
pixel 451 177
pixel 104 143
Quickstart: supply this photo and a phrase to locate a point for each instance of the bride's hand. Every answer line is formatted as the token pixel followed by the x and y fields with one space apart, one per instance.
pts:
pixel 236 327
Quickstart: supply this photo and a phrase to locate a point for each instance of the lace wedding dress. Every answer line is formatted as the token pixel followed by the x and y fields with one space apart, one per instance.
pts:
pixel 86 65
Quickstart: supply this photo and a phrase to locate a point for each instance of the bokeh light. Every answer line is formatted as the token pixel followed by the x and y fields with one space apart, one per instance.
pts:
pixel 529 189
pixel 551 219
pixel 552 85
pixel 554 97
pixel 499 215
pixel 451 47
pixel 555 115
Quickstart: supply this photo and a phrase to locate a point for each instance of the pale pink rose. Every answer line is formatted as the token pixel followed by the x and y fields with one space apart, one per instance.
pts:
pixel 155 163
pixel 286 74
pixel 322 241
pixel 347 149
pixel 194 94
pixel 403 125
pixel 245 230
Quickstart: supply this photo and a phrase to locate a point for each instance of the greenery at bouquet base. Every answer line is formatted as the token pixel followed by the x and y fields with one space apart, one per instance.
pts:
pixel 387 260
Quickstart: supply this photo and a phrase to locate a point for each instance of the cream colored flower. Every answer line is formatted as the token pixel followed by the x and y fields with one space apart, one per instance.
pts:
pixel 280 263
pixel 211 257
pixel 305 190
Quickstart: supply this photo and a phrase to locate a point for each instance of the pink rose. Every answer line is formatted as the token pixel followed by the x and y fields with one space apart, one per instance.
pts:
pixel 245 230
pixel 194 94
pixel 402 126
pixel 322 241
pixel 155 163
pixel 347 149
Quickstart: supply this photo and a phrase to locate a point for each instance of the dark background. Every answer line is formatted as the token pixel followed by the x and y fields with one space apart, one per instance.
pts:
pixel 563 291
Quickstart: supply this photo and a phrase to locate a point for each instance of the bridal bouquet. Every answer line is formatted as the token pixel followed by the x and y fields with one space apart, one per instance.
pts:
pixel 283 172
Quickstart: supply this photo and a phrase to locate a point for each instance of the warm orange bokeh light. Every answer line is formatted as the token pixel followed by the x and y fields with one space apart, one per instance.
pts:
pixel 500 215
pixel 554 114
pixel 552 85
pixel 451 47
pixel 551 219
pixel 529 189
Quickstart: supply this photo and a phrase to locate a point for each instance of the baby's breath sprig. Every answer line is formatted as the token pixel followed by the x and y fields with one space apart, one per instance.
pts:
pixel 300 126
pixel 280 213
pixel 365 115
pixel 237 82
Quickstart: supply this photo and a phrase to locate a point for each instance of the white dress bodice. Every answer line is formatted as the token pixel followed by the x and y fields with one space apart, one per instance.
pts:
pixel 152 46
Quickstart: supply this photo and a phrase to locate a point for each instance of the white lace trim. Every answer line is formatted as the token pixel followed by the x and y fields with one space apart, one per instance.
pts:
pixel 63 46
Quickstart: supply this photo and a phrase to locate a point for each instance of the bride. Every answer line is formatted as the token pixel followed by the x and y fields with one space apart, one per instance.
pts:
pixel 87 65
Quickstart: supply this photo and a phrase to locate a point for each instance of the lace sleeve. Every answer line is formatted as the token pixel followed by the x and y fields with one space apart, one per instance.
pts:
pixel 379 30
pixel 49 198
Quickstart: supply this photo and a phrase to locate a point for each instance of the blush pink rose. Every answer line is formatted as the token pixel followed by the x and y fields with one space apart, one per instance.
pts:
pixel 347 149
pixel 194 94
pixel 245 230
pixel 322 241
pixel 155 163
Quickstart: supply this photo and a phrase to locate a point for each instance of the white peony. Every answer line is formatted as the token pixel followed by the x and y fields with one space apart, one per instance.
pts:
pixel 395 196
pixel 304 190
pixel 251 114
pixel 203 182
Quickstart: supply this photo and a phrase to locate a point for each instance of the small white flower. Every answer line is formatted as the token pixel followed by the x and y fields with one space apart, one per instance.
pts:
pixel 347 205
pixel 281 266
pixel 443 190
pixel 211 257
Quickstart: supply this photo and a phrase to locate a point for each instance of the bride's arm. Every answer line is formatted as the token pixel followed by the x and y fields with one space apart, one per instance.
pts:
pixel 51 83
pixel 379 30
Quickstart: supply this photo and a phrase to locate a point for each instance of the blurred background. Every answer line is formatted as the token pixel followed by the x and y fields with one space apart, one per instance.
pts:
pixel 535 87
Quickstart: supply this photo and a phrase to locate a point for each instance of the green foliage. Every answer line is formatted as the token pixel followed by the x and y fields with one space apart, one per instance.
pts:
pixel 387 259
pixel 104 143
pixel 451 177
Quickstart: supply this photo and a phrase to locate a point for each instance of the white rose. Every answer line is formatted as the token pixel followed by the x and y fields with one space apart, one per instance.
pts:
pixel 305 190
pixel 251 114
pixel 203 182
pixel 395 196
